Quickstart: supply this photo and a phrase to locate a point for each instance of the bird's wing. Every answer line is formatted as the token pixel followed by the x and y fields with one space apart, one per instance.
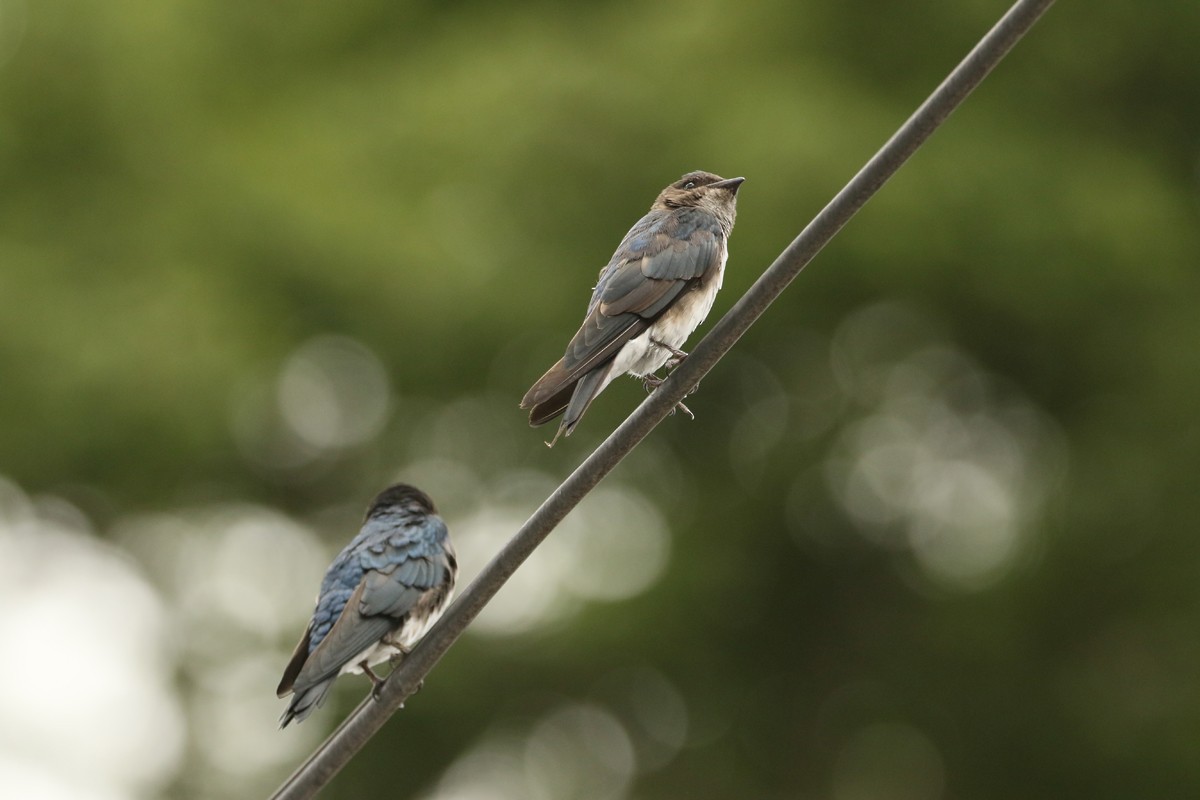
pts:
pixel 412 562
pixel 299 656
pixel 665 258
pixel 657 261
pixel 351 634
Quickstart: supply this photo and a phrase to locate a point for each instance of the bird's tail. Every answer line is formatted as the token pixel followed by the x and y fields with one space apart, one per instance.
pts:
pixel 571 402
pixel 585 392
pixel 543 412
pixel 306 701
pixel 548 387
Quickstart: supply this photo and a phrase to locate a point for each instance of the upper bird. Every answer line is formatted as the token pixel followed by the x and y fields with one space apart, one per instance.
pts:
pixel 655 290
pixel 377 599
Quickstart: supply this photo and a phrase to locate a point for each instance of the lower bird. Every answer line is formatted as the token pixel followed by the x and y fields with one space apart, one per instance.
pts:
pixel 378 598
pixel 657 288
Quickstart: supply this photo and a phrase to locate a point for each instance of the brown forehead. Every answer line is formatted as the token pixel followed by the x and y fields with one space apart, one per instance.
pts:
pixel 697 178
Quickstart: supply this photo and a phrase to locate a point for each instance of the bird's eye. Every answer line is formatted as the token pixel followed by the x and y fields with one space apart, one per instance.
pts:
pixel 690 185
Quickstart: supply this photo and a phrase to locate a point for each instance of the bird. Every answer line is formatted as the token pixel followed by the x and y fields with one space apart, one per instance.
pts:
pixel 656 289
pixel 378 597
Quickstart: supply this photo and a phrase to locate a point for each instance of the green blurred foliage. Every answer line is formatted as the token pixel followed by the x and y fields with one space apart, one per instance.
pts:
pixel 192 190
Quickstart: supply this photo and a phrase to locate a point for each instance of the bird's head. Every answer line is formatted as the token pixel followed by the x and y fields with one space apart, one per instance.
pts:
pixel 699 189
pixel 401 497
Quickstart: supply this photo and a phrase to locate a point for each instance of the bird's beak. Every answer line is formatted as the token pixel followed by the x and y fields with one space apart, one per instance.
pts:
pixel 731 184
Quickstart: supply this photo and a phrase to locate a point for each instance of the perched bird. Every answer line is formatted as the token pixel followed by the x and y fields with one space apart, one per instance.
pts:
pixel 658 286
pixel 377 599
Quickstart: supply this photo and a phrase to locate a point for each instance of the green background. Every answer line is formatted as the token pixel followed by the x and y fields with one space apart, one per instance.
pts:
pixel 933 532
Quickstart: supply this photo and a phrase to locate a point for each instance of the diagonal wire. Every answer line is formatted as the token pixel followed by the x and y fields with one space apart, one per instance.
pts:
pixel 369 717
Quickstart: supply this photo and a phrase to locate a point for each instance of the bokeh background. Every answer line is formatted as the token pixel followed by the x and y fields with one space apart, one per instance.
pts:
pixel 933 533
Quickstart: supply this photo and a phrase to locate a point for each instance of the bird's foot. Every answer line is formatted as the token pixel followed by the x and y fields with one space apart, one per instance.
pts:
pixel 395 644
pixel 651 382
pixel 376 681
pixel 681 407
pixel 677 355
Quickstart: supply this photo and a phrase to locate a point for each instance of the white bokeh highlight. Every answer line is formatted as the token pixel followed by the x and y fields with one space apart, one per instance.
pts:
pixel 239 582
pixel 329 395
pixel 573 750
pixel 613 546
pixel 86 684
pixel 945 461
pixel 333 392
